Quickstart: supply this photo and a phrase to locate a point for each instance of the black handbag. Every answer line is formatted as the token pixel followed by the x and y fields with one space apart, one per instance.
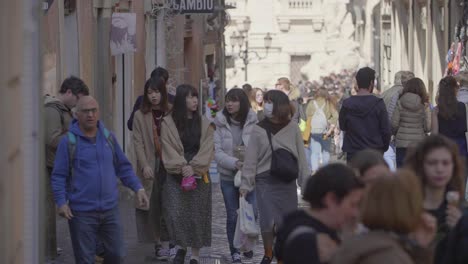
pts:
pixel 283 163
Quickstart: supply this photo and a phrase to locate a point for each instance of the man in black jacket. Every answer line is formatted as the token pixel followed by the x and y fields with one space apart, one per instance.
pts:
pixel 364 118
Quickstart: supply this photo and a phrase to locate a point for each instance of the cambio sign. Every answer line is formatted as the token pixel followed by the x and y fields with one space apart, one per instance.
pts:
pixel 191 6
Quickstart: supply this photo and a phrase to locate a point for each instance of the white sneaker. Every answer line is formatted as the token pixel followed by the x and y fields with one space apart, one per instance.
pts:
pixel 173 252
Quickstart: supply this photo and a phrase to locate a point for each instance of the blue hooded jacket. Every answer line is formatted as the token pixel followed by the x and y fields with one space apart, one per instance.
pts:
pixel 94 183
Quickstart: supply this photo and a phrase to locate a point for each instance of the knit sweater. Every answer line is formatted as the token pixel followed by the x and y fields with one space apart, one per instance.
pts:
pixel 258 153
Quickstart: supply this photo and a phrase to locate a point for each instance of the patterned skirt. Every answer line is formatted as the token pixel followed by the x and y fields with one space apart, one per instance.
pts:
pixel 187 214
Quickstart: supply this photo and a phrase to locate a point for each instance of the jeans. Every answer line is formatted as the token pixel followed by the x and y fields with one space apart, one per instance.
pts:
pixel 86 228
pixel 390 158
pixel 400 156
pixel 319 151
pixel 231 201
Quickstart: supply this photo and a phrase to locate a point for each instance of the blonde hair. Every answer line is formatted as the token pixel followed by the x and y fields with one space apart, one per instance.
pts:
pixel 394 203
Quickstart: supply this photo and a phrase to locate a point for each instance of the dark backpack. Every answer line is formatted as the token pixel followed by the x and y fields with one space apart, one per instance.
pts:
pixel 284 164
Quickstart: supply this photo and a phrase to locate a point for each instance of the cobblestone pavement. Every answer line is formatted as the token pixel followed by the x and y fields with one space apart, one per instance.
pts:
pixel 143 253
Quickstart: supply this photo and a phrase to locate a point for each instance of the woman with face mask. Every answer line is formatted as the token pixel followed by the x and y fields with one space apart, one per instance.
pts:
pixel 437 163
pixel 149 167
pixel 275 197
pixel 233 129
pixel 187 151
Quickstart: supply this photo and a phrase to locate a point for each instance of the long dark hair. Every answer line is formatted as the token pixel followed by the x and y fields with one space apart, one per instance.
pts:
pixel 416 86
pixel 415 160
pixel 238 95
pixel 179 111
pixel 282 108
pixel 447 97
pixel 155 84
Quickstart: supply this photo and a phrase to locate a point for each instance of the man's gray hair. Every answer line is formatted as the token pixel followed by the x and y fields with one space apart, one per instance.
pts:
pixel 402 77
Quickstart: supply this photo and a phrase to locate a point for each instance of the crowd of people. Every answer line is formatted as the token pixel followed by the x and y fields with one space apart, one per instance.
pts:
pixel 398 196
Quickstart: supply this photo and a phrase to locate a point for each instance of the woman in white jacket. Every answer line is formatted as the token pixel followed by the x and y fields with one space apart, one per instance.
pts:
pixel 233 127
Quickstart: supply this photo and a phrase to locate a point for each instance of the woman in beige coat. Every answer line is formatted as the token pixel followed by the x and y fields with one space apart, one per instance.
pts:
pixel 411 119
pixel 147 145
pixel 187 151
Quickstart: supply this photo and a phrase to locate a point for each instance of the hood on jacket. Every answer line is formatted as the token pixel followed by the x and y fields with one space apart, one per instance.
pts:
pixel 361 105
pixel 48 100
pixel 221 120
pixel 411 102
pixel 358 248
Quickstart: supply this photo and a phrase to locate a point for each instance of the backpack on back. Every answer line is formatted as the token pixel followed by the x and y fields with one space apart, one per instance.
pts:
pixel 284 165
pixel 72 142
pixel 319 122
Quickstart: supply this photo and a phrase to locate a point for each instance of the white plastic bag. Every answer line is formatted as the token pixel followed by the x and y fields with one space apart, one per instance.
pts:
pixel 247 221
pixel 237 179
pixel 241 241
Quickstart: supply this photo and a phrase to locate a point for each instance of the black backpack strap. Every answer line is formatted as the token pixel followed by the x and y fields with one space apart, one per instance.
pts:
pixel 269 139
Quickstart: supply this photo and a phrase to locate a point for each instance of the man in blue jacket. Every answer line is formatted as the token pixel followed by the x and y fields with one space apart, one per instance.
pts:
pixel 87 167
pixel 364 118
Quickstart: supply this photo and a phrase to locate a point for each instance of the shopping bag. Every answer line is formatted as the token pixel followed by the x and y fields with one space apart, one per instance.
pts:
pixel 247 221
pixel 242 242
pixel 237 179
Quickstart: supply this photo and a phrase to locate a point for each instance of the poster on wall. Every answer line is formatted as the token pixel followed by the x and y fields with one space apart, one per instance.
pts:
pixel 123 33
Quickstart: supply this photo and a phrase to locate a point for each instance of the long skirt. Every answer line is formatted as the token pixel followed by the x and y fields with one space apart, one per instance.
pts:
pixel 275 199
pixel 187 213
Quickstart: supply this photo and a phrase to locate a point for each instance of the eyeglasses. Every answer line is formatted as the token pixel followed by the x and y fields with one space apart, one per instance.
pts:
pixel 88 111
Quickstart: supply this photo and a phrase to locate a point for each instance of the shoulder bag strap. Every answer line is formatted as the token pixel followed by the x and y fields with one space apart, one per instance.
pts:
pixel 269 139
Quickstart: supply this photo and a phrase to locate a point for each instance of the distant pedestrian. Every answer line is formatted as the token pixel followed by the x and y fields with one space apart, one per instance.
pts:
pixel 58 116
pixel 310 235
pixel 322 118
pixel 257 105
pixel 369 165
pixel 364 118
pixel 88 165
pixel 187 151
pixel 449 116
pixel 276 196
pixel 283 84
pixel 149 167
pixel 233 129
pixel 411 119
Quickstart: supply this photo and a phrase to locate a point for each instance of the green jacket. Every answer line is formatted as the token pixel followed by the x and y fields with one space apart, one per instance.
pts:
pixel 57 118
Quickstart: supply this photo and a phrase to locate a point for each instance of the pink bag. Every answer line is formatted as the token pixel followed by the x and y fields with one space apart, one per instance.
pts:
pixel 189 183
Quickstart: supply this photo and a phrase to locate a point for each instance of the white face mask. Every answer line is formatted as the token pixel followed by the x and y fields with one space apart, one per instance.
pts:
pixel 268 110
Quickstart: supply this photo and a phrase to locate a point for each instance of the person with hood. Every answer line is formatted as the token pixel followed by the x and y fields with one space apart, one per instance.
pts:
pixel 88 165
pixel 293 94
pixel 399 231
pixel 233 128
pixel 58 116
pixel 364 118
pixel 411 119
pixel 390 98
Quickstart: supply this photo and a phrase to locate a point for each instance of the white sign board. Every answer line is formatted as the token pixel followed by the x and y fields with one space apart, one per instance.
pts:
pixel 123 33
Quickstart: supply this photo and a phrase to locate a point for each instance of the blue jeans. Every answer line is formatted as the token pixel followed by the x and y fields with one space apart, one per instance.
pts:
pixel 86 228
pixel 231 201
pixel 319 151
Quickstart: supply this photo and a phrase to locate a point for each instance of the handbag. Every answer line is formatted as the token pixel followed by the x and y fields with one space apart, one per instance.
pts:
pixel 189 183
pixel 284 164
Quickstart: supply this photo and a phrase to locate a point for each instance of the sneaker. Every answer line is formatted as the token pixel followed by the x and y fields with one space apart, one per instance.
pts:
pixel 236 258
pixel 248 254
pixel 193 261
pixel 173 252
pixel 161 253
pixel 180 256
pixel 266 260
